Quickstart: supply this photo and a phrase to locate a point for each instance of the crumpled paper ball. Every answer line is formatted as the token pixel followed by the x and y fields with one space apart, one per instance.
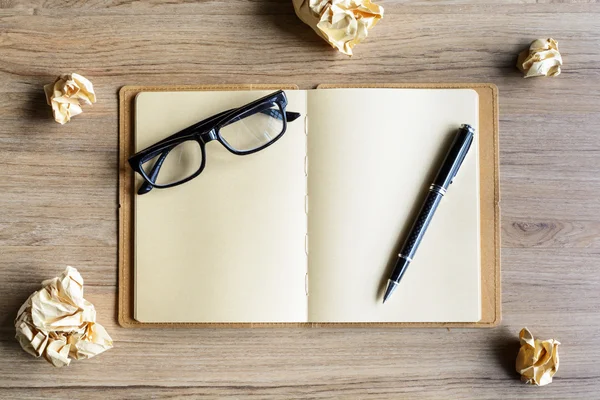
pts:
pixel 342 23
pixel 67 94
pixel 541 59
pixel 56 322
pixel 537 361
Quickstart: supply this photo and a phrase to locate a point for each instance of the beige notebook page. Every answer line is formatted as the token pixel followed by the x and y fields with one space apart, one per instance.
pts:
pixel 228 246
pixel 372 155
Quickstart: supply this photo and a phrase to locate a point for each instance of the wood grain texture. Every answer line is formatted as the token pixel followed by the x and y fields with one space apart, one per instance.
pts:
pixel 58 193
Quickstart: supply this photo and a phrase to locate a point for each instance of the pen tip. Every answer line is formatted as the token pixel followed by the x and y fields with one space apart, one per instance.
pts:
pixel 390 289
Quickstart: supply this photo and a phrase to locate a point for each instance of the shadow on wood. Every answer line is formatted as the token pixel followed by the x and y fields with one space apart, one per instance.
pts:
pixel 506 347
pixel 284 18
pixel 7 327
pixel 37 107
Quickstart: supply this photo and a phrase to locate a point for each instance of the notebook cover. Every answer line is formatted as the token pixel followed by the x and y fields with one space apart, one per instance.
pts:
pixel 489 199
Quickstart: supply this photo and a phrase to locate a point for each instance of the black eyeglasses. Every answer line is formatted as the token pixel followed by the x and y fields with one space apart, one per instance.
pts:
pixel 244 130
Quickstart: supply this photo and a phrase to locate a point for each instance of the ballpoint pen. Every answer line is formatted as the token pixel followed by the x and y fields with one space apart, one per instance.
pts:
pixel 454 158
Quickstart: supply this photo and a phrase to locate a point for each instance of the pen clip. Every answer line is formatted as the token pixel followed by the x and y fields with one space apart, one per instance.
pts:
pixel 462 159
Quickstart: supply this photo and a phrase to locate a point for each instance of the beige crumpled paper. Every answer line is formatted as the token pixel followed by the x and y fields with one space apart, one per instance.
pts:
pixel 67 94
pixel 342 23
pixel 537 361
pixel 57 322
pixel 541 59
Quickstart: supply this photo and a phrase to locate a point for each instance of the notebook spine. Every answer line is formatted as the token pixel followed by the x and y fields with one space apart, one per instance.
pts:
pixel 306 197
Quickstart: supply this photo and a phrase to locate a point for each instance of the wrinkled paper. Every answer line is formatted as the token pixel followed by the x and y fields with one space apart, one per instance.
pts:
pixel 342 23
pixel 67 94
pixel 56 322
pixel 541 59
pixel 537 361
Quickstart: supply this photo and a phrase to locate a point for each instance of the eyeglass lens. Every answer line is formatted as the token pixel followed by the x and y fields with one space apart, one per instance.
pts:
pixel 175 164
pixel 250 131
pixel 255 128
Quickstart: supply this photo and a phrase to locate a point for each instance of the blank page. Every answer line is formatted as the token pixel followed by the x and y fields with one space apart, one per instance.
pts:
pixel 228 246
pixel 372 155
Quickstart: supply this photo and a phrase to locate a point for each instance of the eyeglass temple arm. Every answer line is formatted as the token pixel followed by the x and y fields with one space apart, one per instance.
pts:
pixel 273 112
pixel 188 130
pixel 146 187
pixel 291 116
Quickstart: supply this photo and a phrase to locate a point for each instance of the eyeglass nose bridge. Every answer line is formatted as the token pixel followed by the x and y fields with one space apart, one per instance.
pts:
pixel 208 136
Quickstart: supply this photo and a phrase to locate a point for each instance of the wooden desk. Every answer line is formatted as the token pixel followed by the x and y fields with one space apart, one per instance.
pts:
pixel 58 193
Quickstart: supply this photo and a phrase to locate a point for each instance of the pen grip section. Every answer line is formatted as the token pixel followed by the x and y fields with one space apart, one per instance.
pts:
pixel 421 223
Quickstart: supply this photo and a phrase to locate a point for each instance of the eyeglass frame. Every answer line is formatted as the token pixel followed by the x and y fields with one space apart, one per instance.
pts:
pixel 203 132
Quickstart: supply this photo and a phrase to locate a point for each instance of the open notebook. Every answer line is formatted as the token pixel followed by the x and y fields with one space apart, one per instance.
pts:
pixel 308 229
